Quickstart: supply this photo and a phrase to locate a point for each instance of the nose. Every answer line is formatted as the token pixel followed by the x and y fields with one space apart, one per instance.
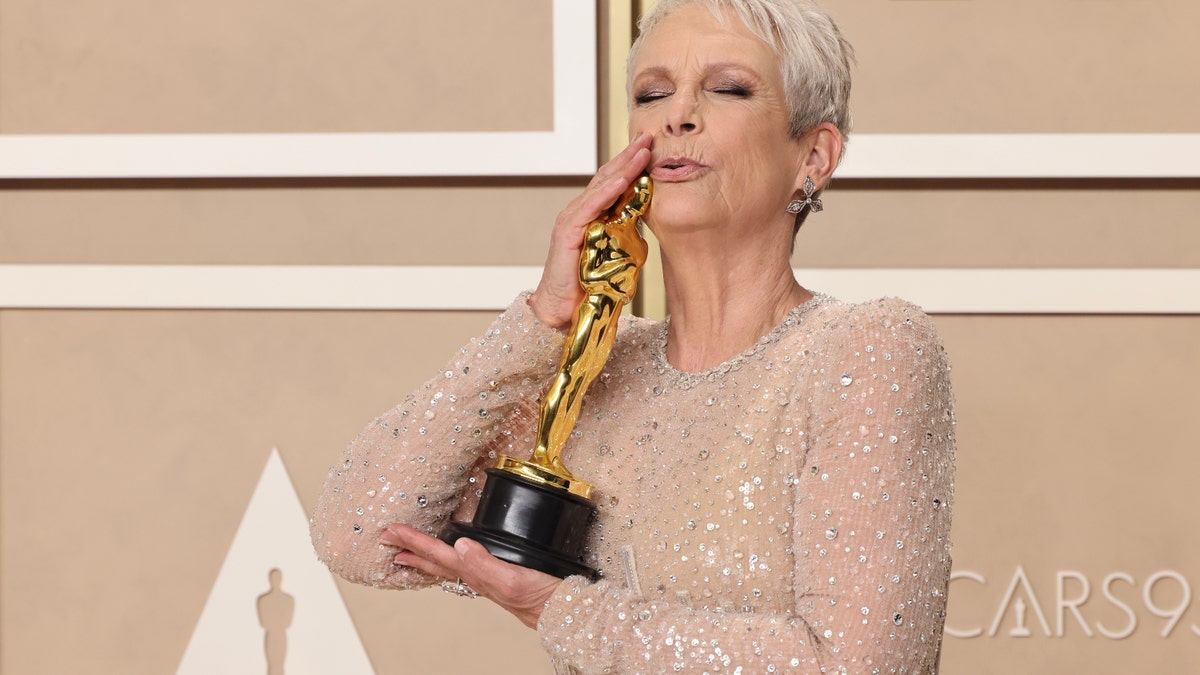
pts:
pixel 682 114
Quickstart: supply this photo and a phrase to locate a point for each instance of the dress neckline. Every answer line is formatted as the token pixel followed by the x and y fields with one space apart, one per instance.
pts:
pixel 687 380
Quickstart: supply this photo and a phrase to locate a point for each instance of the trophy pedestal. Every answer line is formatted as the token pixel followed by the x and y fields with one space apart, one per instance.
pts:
pixel 529 524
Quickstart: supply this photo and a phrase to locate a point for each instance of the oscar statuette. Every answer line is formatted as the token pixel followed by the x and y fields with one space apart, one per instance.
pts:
pixel 535 513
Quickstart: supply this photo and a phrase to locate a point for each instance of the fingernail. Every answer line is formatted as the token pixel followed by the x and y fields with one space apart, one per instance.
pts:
pixel 461 546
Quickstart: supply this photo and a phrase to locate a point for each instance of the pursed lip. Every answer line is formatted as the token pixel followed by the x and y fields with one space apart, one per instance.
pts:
pixel 675 169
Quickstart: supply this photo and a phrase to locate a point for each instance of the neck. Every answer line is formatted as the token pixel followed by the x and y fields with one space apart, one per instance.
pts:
pixel 722 301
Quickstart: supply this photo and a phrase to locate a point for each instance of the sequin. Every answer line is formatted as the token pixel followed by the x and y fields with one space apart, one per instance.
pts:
pixel 761 510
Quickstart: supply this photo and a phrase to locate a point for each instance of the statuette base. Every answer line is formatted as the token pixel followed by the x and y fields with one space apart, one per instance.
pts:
pixel 531 524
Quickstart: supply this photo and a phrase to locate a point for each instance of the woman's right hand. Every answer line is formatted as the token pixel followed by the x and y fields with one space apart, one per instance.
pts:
pixel 558 294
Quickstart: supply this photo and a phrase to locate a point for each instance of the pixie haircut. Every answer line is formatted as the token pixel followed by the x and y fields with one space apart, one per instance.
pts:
pixel 814 57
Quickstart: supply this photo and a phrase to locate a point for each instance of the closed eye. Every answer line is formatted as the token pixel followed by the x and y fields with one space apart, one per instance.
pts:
pixel 650 96
pixel 735 90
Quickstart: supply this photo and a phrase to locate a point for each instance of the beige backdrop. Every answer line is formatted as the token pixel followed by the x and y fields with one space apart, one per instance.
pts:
pixel 131 441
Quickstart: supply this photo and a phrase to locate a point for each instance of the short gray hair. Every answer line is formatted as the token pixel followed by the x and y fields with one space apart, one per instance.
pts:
pixel 814 57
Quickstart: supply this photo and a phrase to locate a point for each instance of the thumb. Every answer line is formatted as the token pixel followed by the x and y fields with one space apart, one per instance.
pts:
pixel 462 546
pixel 479 564
pixel 472 552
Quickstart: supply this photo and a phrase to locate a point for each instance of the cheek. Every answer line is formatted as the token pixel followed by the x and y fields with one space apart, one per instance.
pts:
pixel 757 182
pixel 748 168
pixel 639 122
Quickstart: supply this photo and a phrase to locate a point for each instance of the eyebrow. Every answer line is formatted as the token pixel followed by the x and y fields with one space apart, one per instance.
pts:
pixel 720 66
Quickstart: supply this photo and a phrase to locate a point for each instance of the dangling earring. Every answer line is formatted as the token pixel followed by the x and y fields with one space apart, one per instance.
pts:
pixel 797 205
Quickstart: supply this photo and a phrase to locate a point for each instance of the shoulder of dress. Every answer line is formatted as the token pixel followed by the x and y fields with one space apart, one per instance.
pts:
pixel 885 337
pixel 637 327
pixel 883 323
pixel 885 312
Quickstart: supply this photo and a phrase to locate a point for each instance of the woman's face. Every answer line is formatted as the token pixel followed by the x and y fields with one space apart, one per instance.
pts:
pixel 712 96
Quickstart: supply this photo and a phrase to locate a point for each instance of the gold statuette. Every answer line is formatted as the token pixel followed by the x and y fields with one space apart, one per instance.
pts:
pixel 535 512
pixel 609 267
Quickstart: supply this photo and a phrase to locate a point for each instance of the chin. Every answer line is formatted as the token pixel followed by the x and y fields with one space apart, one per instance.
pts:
pixel 664 229
pixel 677 212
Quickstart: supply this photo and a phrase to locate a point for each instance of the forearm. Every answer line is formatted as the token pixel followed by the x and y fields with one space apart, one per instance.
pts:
pixel 413 465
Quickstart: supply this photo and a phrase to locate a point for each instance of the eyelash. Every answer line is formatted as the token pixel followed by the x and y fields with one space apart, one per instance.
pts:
pixel 733 90
pixel 649 97
pixel 736 90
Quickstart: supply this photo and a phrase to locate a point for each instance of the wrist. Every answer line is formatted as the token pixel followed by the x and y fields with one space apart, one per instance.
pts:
pixel 537 305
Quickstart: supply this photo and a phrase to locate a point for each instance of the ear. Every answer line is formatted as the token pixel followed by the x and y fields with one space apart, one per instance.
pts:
pixel 822 151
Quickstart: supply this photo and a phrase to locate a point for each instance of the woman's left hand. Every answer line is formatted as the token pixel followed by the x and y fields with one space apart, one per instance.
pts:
pixel 521 591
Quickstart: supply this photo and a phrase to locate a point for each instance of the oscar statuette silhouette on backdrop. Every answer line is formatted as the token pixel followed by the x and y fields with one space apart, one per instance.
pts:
pixel 535 512
pixel 275 611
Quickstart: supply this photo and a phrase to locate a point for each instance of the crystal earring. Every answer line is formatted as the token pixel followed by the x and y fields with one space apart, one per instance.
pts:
pixel 797 205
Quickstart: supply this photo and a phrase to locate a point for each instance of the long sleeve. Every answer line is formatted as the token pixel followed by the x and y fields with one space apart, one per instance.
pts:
pixel 874 505
pixel 870 493
pixel 417 464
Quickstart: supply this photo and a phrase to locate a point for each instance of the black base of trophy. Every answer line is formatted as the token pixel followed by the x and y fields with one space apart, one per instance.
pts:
pixel 529 524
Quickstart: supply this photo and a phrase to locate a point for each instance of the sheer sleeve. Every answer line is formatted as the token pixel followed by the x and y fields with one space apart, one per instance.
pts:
pixel 870 521
pixel 873 512
pixel 416 463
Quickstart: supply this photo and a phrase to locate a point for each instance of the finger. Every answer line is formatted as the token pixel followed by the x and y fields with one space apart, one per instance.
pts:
pixel 601 194
pixel 588 204
pixel 628 172
pixel 416 562
pixel 477 560
pixel 621 162
pixel 628 168
pixel 422 551
pixel 608 184
pixel 638 162
pixel 390 539
pixel 486 573
pixel 480 569
pixel 638 142
pixel 403 535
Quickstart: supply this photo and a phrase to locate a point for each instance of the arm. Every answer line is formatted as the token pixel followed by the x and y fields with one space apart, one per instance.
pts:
pixel 414 464
pixel 859 561
pixel 873 509
pixel 425 453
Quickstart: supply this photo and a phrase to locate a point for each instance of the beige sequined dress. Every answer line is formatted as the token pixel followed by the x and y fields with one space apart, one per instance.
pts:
pixel 786 511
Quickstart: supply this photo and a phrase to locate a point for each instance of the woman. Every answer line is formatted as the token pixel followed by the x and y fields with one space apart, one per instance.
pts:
pixel 773 467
